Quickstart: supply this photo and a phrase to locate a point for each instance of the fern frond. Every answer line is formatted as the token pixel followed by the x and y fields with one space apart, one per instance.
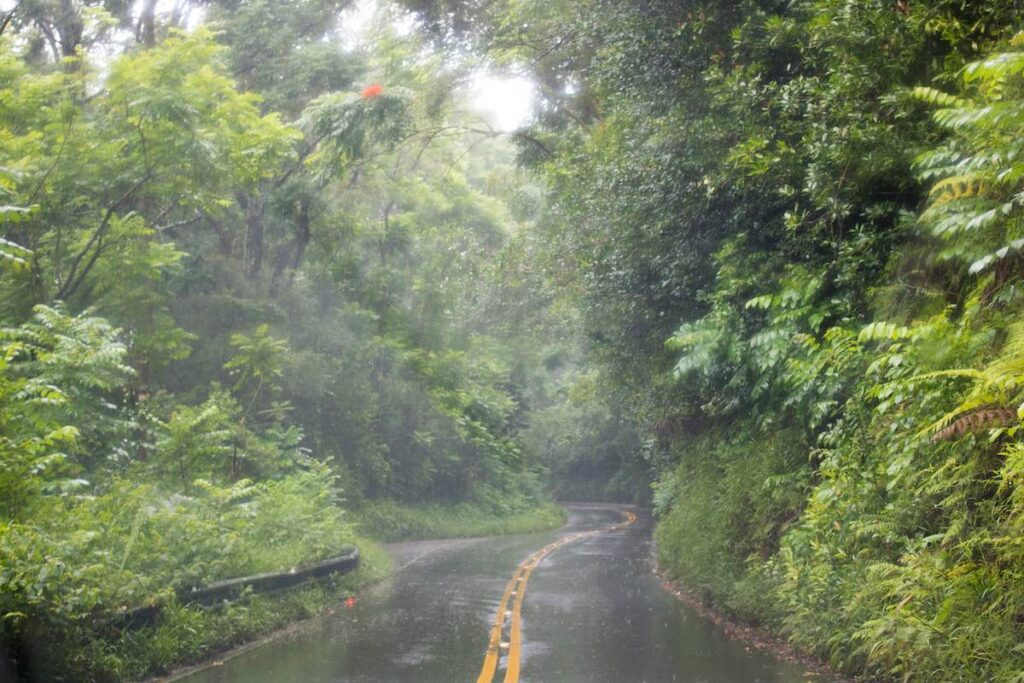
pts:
pixel 13 255
pixel 957 187
pixel 938 98
pixel 984 262
pixel 995 68
pixel 976 421
pixel 1014 345
pixel 966 373
pixel 883 331
pixel 977 401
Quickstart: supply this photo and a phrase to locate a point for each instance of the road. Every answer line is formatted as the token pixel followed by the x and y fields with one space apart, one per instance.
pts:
pixel 577 605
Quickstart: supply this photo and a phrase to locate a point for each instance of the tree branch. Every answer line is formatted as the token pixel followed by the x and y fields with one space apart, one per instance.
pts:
pixel 7 19
pixel 71 285
pixel 180 224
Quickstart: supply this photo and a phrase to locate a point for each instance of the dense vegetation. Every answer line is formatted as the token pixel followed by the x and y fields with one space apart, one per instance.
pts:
pixel 250 279
pixel 795 233
pixel 261 285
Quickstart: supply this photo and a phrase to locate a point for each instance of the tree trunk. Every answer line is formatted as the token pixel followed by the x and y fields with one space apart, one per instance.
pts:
pixel 254 230
pixel 70 28
pixel 290 256
pixel 146 31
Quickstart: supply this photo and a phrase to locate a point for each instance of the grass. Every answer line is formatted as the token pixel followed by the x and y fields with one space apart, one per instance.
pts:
pixel 389 521
pixel 186 635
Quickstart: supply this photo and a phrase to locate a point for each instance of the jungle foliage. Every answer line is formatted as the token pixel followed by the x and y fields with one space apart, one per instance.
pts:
pixel 794 229
pixel 765 254
pixel 251 273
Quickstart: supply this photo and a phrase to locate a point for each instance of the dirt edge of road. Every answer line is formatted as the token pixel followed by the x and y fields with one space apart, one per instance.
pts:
pixel 217 658
pixel 752 637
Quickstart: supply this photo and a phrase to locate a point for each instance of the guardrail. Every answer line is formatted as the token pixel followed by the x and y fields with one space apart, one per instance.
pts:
pixel 225 591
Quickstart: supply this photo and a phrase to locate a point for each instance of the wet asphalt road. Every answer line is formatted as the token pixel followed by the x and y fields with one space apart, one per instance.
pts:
pixel 592 612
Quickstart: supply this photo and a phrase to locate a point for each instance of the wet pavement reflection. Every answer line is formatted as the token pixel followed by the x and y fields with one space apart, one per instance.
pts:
pixel 593 612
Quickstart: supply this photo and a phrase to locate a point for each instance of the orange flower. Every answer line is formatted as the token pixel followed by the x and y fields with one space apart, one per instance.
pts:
pixel 371 91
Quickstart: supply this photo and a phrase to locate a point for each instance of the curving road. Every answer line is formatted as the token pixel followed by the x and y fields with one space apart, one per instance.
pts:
pixel 577 605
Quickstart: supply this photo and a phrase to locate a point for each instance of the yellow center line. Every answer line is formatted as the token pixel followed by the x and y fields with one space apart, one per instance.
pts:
pixel 494 645
pixel 517 588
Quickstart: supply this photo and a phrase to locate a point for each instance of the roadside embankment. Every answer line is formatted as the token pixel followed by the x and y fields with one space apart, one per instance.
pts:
pixel 752 636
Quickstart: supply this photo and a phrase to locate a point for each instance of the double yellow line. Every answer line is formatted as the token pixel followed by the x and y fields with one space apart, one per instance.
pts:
pixel 516 589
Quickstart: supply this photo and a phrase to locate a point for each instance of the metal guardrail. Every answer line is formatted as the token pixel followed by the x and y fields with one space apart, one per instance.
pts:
pixel 222 591
pixel 225 591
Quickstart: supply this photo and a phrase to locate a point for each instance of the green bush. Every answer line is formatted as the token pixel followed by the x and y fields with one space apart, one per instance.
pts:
pixel 721 519
pixel 81 563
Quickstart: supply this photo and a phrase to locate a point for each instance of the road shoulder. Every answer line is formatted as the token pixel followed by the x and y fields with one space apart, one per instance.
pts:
pixel 753 637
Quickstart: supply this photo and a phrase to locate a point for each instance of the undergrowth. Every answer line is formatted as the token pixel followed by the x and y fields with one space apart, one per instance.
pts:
pixel 391 521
